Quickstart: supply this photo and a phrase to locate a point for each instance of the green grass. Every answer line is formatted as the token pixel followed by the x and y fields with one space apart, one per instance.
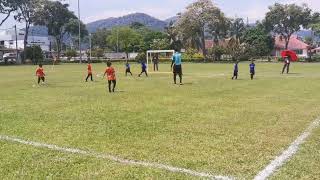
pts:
pixel 211 124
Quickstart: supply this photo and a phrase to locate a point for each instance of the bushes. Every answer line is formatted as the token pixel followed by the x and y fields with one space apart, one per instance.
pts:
pixel 192 55
pixel 98 52
pixel 315 58
pixel 70 53
pixel 141 57
pixel 216 52
pixel 34 54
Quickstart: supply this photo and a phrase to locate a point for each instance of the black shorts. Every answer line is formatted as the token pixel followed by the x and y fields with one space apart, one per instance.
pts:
pixel 252 72
pixel 128 70
pixel 177 69
pixel 235 73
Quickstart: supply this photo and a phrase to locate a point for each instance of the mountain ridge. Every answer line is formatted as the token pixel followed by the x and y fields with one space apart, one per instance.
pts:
pixel 147 20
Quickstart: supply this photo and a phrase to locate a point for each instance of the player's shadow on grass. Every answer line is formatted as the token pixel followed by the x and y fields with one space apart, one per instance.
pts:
pixel 119 91
pixel 188 84
pixel 294 73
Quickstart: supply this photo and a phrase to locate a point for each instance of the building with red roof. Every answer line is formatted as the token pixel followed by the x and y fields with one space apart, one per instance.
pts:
pixel 295 44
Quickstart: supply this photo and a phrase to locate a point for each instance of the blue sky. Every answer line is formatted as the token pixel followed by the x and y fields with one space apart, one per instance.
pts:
pixel 92 10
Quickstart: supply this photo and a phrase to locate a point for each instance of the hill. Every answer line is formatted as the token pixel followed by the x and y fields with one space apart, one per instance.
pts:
pixel 172 19
pixel 145 19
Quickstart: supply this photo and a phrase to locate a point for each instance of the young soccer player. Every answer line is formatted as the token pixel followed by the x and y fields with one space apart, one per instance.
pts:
pixel 89 72
pixel 40 74
pixel 235 71
pixel 177 66
pixel 252 69
pixel 143 69
pixel 111 76
pixel 128 68
pixel 286 65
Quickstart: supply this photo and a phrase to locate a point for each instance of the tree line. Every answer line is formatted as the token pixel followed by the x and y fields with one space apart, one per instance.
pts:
pixel 55 15
pixel 202 21
pixel 199 22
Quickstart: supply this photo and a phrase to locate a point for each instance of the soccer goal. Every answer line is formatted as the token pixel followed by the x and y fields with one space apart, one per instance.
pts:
pixel 150 54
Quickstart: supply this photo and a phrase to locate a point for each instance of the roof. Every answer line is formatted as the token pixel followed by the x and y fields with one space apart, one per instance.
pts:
pixel 294 43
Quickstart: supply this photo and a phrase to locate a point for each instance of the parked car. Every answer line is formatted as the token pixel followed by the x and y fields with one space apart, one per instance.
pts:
pixel 9 58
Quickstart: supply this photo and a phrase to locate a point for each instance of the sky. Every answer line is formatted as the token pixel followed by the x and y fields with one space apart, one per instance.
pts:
pixel 92 10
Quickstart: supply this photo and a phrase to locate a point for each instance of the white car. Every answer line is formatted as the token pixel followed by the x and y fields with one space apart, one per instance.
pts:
pixel 10 58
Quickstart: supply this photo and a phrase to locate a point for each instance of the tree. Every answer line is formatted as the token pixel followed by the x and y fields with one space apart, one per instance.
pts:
pixel 259 42
pixel 7 7
pixel 70 53
pixel 235 49
pixel 160 44
pixel 34 53
pixel 124 39
pixel 315 25
pixel 286 19
pixel 149 38
pixel 137 25
pixel 237 28
pixel 216 52
pixel 308 40
pixel 173 36
pixel 219 27
pixel 193 22
pixel 60 21
pixel 98 52
pixel 99 38
pixel 26 11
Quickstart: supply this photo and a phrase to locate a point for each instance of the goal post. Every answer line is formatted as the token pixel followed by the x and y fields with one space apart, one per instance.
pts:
pixel 151 52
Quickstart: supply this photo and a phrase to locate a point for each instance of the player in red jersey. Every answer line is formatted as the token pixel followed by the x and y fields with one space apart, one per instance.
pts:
pixel 40 74
pixel 89 72
pixel 111 77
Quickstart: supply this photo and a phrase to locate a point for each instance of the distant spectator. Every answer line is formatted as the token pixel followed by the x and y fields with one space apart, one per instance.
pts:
pixel 286 65
pixel 235 71
pixel 155 61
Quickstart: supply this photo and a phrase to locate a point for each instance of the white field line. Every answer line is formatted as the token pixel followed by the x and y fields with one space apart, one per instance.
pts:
pixel 288 153
pixel 115 158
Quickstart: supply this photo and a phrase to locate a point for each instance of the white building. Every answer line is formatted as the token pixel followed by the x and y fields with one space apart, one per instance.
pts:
pixel 8 40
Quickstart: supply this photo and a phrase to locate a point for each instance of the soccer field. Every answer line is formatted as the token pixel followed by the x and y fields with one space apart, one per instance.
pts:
pixel 70 129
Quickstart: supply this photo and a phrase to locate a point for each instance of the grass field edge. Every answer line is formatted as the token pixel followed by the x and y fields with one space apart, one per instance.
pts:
pixel 115 158
pixel 287 154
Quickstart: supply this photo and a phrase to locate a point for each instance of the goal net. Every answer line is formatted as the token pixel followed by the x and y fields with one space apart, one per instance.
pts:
pixel 151 53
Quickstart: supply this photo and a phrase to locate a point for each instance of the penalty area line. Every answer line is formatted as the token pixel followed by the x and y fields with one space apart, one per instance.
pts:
pixel 114 158
pixel 286 155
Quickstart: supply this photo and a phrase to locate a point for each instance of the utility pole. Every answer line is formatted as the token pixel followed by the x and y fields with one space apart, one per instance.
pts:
pixel 17 51
pixel 117 40
pixel 90 46
pixel 79 17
